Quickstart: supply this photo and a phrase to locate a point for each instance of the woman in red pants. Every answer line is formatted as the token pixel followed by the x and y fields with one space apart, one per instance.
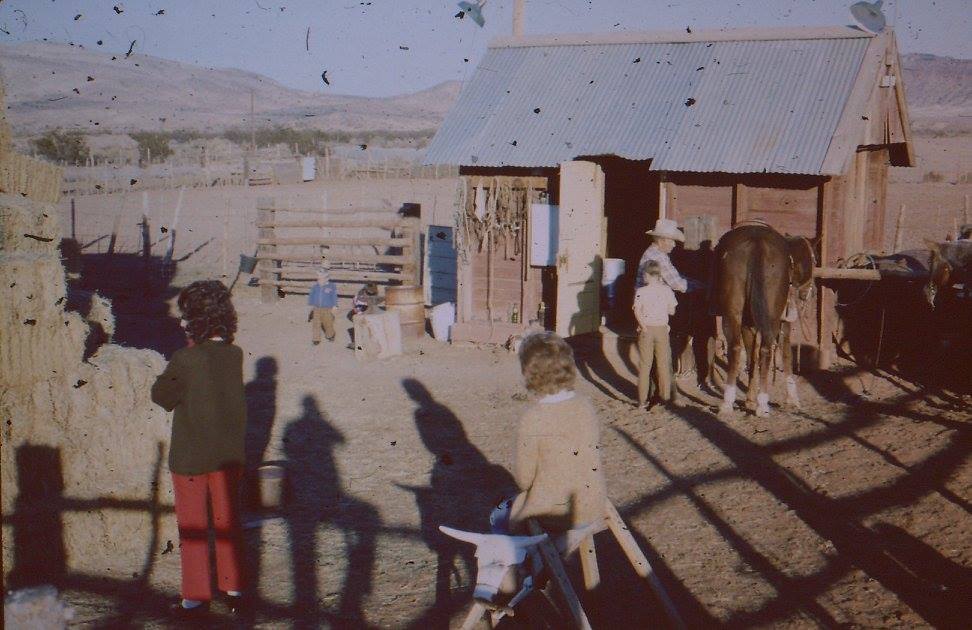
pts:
pixel 203 384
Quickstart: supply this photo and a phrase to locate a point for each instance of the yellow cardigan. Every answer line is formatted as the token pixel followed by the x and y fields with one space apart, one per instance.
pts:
pixel 558 466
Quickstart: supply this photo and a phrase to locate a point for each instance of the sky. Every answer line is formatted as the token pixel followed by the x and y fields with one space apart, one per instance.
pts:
pixel 386 47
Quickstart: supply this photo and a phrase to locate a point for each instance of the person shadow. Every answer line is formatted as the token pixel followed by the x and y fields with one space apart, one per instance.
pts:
pixel 261 407
pixel 463 488
pixel 314 496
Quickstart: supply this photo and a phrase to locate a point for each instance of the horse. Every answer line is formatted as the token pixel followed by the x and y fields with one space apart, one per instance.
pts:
pixel 755 269
pixel 951 263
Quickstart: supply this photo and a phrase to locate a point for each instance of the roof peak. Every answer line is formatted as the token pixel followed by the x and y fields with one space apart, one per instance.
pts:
pixel 678 37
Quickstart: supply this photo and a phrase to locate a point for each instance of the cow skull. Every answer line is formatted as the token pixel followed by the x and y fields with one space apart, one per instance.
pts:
pixel 496 555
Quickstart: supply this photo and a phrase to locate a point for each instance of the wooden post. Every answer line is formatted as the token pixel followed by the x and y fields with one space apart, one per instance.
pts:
pixel 662 198
pixel 518 18
pixel 588 558
pixel 413 251
pixel 899 230
pixel 740 202
pixel 266 216
pixel 225 242
pixel 114 232
pixel 146 229
pixel 966 211
pixel 826 300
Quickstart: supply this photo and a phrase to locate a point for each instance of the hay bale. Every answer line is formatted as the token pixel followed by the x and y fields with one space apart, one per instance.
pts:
pixel 37 608
pixel 111 442
pixel 38 339
pixel 96 310
pixel 20 216
pixel 35 179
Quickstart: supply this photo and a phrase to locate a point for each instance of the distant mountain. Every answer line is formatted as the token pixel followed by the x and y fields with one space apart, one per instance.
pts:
pixel 58 85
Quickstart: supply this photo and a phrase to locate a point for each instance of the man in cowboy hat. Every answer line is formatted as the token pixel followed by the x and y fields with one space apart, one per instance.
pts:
pixel 663 237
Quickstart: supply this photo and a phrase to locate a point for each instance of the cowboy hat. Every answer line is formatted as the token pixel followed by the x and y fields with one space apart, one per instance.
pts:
pixel 667 228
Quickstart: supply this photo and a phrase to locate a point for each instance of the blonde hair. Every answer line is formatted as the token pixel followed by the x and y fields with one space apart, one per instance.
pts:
pixel 547 363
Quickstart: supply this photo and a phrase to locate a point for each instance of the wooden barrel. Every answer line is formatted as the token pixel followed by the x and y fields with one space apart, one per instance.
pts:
pixel 409 301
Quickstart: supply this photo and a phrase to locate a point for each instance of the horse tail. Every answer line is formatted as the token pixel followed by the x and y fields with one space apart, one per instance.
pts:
pixel 757 298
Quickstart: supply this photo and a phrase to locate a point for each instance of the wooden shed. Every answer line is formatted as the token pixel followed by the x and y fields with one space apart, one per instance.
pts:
pixel 794 126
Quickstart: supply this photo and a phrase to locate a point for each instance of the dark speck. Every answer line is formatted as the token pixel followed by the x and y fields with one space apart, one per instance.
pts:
pixel 700 68
pixel 638 60
pixel 513 143
pixel 132 182
pixel 118 10
pixel 81 383
pixel 864 118
pixel 394 442
pixel 100 42
pixel 689 102
pixel 688 30
pixel 30 322
pixel 160 12
pixel 77 17
pixel 536 110
pixel 90 78
pixel 363 146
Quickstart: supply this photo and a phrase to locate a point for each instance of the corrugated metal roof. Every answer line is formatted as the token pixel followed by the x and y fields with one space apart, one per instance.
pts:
pixel 719 106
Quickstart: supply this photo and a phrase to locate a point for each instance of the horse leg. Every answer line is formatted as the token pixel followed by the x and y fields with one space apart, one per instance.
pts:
pixel 751 342
pixel 733 332
pixel 765 370
pixel 792 398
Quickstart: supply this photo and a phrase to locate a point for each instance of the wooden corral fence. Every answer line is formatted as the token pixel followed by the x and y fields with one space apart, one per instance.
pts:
pixel 360 245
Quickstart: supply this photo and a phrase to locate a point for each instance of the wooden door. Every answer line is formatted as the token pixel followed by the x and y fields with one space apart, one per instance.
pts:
pixel 580 248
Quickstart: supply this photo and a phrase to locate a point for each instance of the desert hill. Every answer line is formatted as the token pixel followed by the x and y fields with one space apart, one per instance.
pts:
pixel 58 85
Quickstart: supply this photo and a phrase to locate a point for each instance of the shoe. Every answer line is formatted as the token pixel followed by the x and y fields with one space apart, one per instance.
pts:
pixel 179 611
pixel 235 603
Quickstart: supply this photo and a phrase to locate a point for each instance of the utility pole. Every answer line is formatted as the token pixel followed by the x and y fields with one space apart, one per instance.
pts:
pixel 252 148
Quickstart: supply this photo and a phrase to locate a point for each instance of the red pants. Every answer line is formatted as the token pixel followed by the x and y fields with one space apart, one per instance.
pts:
pixel 193 494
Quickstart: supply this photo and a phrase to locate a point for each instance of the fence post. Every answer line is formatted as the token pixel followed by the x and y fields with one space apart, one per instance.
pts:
pixel 413 251
pixel 266 217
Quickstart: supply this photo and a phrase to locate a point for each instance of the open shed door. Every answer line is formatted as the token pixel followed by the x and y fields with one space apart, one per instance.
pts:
pixel 580 248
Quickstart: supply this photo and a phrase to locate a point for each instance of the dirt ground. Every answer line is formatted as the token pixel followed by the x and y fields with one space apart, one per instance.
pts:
pixel 851 512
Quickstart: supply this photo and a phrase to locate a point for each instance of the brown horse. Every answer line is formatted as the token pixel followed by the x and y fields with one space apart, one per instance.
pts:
pixel 755 268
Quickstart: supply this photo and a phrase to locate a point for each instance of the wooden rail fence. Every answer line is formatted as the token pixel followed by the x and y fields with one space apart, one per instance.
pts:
pixel 364 245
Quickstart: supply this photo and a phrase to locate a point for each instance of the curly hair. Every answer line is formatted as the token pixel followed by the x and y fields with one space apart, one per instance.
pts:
pixel 208 311
pixel 547 363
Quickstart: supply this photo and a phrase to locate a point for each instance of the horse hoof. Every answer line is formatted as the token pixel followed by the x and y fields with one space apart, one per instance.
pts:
pixel 725 410
pixel 762 412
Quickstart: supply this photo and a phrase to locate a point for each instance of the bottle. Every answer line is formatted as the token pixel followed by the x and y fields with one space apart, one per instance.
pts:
pixel 515 315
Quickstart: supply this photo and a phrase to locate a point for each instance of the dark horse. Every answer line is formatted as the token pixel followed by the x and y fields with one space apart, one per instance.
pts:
pixel 951 263
pixel 755 267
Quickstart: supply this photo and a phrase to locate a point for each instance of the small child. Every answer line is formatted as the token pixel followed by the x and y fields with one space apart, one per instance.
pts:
pixel 323 300
pixel 366 300
pixel 654 303
pixel 557 464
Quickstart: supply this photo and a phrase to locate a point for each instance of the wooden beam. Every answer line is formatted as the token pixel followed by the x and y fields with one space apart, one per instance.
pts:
pixel 386 223
pixel 341 258
pixel 559 576
pixel 338 241
pixel 338 274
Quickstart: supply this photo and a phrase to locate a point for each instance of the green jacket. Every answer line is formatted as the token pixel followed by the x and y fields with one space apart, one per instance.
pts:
pixel 204 386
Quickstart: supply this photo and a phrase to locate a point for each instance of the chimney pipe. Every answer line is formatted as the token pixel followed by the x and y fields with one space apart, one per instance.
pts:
pixel 518 18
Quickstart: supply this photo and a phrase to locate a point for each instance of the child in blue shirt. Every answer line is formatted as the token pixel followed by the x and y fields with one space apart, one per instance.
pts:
pixel 323 301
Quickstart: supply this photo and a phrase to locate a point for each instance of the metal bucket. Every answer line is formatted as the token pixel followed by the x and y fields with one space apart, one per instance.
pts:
pixel 247 263
pixel 271 479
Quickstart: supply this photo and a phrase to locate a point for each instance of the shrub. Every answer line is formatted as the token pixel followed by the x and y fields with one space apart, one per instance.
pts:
pixel 152 145
pixel 63 146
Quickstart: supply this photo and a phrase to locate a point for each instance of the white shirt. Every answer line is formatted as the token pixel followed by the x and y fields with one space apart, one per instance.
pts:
pixel 653 304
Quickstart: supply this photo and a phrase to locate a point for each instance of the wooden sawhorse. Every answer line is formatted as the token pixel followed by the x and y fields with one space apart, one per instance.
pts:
pixel 592 577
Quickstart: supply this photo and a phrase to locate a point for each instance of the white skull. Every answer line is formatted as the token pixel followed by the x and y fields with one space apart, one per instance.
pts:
pixel 496 555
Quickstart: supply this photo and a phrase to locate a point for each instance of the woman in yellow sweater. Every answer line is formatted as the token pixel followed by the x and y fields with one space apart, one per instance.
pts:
pixel 558 460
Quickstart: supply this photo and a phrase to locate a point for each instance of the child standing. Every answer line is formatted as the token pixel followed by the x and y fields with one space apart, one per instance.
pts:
pixel 654 303
pixel 557 464
pixel 203 384
pixel 323 301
